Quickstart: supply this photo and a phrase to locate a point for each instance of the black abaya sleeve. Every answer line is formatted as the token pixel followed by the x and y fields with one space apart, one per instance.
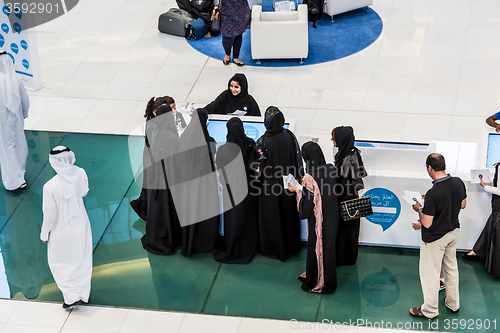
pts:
pixel 254 109
pixel 306 204
pixel 216 106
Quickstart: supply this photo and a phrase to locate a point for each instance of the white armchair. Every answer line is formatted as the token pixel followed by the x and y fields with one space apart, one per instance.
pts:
pixel 279 35
pixel 334 7
pixel 252 3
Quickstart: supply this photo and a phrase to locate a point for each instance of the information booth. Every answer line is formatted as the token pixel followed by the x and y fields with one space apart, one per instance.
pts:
pixel 396 167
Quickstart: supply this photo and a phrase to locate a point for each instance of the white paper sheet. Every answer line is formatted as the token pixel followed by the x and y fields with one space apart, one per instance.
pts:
pixel 239 113
pixel 291 180
pixel 412 197
pixel 476 174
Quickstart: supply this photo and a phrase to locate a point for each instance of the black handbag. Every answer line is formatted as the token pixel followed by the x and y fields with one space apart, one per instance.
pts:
pixel 356 208
pixel 203 6
pixel 215 28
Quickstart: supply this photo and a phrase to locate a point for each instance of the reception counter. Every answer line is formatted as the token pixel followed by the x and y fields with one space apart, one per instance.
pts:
pixel 396 167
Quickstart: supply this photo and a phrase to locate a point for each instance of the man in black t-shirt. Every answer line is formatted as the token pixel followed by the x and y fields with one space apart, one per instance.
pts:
pixel 439 218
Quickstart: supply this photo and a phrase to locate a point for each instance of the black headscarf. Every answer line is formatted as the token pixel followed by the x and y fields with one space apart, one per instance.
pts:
pixel 344 138
pixel 273 120
pixel 235 101
pixel 236 135
pixel 227 103
pixel 168 120
pixel 236 132
pixel 313 156
pixel 196 148
pixel 162 141
pixel 203 117
pixel 162 109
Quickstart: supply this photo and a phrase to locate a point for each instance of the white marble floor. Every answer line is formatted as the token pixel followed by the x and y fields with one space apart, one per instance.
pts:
pixel 433 74
pixel 43 317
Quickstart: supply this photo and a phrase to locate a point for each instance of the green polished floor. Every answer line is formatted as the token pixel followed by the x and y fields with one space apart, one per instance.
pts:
pixel 378 290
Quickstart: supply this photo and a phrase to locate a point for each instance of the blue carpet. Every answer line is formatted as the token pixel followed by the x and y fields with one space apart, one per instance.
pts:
pixel 349 33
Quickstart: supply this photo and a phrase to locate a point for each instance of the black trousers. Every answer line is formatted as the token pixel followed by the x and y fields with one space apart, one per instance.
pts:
pixel 234 43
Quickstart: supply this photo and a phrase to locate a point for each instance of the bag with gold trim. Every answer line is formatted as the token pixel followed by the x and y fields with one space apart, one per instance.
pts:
pixel 356 208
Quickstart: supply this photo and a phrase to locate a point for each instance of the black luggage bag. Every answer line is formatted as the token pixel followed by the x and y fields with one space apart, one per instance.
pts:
pixel 198 9
pixel 174 22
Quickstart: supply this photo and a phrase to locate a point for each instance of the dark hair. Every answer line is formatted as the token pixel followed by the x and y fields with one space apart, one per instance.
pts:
pixel 154 103
pixel 436 162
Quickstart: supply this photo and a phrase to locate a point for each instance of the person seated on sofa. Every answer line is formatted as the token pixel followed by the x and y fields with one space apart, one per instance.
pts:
pixel 235 98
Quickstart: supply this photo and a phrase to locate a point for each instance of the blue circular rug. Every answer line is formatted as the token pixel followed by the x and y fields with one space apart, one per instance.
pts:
pixel 349 33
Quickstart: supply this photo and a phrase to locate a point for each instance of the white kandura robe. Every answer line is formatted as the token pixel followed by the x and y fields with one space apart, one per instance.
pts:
pixel 69 243
pixel 13 147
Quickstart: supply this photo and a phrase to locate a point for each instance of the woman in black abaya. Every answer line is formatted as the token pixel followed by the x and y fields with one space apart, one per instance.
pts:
pixel 486 247
pixel 279 222
pixel 350 170
pixel 140 205
pixel 163 232
pixel 196 160
pixel 317 203
pixel 236 97
pixel 240 222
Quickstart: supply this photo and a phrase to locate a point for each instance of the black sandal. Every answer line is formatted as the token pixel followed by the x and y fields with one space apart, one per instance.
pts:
pixel 241 63
pixel 225 62
pixel 473 257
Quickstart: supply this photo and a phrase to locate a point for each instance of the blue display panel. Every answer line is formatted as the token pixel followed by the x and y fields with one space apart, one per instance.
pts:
pixel 253 129
pixel 391 144
pixel 493 153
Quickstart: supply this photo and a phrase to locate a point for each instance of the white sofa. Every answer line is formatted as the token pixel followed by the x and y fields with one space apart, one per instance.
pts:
pixel 334 7
pixel 252 3
pixel 279 35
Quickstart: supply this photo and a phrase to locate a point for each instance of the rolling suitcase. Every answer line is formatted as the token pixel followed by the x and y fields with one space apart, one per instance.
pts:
pixel 174 22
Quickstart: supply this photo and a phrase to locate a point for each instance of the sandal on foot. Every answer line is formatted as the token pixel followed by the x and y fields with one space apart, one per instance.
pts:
pixel 225 62
pixel 471 257
pixel 416 312
pixel 239 63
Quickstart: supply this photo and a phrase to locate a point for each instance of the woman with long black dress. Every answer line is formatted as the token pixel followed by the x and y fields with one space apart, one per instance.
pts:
pixel 350 171
pixel 196 187
pixel 140 205
pixel 240 222
pixel 486 247
pixel 279 222
pixel 317 203
pixel 235 98
pixel 163 232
